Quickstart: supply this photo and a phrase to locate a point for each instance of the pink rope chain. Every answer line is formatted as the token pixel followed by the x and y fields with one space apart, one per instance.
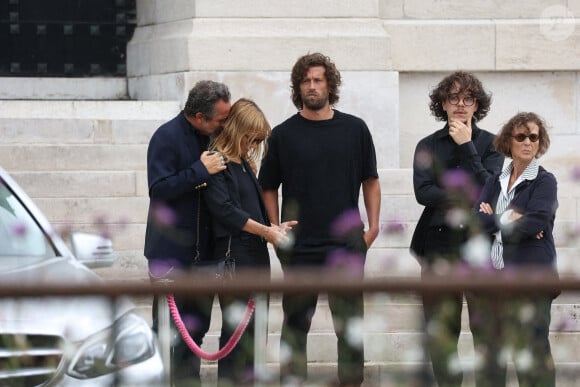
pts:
pixel 232 342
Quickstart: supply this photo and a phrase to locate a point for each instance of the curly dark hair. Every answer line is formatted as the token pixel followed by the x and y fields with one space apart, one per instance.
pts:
pixel 504 137
pixel 299 72
pixel 468 83
pixel 203 96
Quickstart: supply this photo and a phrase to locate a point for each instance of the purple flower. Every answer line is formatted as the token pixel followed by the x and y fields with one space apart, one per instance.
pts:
pixel 576 172
pixel 191 322
pixel 162 268
pixel 394 227
pixel 164 215
pixel 347 222
pixel 460 181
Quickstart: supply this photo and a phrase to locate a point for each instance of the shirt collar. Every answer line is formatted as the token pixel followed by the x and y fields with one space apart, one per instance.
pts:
pixel 530 173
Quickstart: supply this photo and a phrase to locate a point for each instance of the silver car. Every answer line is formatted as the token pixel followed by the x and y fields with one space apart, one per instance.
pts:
pixel 64 341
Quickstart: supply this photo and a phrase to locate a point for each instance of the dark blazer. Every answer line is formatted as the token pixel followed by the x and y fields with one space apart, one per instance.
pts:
pixel 537 201
pixel 222 196
pixel 176 175
pixel 434 156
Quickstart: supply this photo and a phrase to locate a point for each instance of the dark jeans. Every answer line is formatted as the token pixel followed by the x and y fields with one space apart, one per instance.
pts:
pixel 298 312
pixel 443 311
pixel 442 329
pixel 522 325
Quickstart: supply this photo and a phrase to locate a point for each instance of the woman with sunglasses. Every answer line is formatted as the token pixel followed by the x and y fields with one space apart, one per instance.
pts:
pixel 517 208
pixel 240 224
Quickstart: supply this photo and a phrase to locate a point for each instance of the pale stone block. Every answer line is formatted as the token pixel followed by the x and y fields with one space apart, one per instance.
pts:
pixel 78 210
pixel 538 45
pixel 160 48
pixel 86 109
pixel 130 236
pixel 167 87
pixel 20 130
pixel 77 184
pixel 93 88
pixel 567 204
pixel 416 121
pixel 552 95
pixel 153 12
pixel 399 208
pixel 574 7
pixel 79 131
pixel 78 157
pixel 141 185
pixel 487 9
pixel 563 150
pixel 441 45
pixel 400 347
pixel 103 132
pixel 137 131
pixel 396 181
pixel 240 44
pixel 391 9
pixel 374 97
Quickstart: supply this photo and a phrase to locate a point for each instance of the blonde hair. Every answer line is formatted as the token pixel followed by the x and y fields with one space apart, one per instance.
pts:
pixel 247 120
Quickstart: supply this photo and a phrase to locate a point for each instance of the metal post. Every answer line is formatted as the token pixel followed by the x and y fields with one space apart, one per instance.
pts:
pixel 260 339
pixel 164 331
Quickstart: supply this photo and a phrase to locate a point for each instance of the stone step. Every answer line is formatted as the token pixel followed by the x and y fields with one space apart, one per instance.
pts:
pixel 53 88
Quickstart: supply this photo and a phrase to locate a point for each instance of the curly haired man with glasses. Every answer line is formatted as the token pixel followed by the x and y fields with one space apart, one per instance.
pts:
pixel 449 167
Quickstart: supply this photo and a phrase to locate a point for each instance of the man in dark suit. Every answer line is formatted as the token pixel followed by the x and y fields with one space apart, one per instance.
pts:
pixel 178 223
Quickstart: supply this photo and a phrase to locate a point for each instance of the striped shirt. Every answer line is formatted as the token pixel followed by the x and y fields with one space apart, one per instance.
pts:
pixel 503 202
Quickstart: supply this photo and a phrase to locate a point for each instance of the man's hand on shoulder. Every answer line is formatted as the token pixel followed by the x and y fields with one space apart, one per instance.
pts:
pixel 213 162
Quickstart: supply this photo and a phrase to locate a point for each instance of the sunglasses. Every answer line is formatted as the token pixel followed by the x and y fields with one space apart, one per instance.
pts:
pixel 520 137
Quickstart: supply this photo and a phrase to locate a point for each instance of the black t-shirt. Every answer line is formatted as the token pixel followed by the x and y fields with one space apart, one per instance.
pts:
pixel 320 165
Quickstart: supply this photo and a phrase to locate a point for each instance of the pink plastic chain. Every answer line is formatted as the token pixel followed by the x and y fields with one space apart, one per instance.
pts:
pixel 232 342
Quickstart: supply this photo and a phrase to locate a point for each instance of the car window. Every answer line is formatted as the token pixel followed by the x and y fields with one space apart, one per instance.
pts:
pixel 20 236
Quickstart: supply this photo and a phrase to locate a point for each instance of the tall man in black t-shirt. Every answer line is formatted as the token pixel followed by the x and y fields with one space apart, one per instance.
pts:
pixel 321 157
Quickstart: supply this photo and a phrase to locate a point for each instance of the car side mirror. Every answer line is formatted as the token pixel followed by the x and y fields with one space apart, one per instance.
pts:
pixel 92 250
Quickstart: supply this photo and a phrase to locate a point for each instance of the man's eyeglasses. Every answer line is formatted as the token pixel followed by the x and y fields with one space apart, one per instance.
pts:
pixel 453 99
pixel 520 137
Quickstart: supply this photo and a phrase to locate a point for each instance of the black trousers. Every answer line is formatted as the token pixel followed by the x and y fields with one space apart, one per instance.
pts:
pixel 196 315
pixel 250 253
pixel 442 312
pixel 517 326
pixel 345 309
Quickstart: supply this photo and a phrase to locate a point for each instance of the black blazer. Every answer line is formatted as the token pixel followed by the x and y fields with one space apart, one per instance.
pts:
pixel 222 196
pixel 176 175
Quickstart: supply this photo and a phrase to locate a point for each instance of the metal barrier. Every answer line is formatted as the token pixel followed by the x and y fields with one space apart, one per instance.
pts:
pixel 525 281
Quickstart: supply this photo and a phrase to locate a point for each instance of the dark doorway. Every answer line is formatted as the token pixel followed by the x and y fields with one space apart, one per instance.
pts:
pixel 65 38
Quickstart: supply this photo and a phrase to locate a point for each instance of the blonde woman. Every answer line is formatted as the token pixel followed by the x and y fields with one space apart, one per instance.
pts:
pixel 240 221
